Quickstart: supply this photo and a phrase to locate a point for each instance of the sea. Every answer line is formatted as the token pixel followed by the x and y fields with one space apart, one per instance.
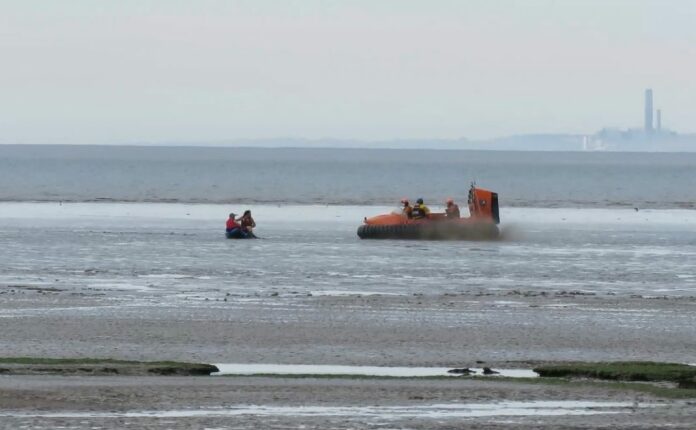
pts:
pixel 146 224
pixel 53 173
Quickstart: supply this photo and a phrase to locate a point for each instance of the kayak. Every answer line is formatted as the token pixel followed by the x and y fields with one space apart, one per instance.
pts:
pixel 239 234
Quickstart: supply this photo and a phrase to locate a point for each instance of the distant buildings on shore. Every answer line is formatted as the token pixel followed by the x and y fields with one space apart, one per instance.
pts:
pixel 648 112
pixel 652 137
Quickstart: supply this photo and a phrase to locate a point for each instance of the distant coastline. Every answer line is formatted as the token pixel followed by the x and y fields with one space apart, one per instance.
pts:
pixel 611 140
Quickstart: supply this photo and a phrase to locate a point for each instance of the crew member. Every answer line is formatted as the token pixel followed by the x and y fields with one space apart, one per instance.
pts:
pixel 452 210
pixel 420 210
pixel 407 211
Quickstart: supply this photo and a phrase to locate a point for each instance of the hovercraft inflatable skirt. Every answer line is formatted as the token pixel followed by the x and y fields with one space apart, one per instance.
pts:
pixel 443 230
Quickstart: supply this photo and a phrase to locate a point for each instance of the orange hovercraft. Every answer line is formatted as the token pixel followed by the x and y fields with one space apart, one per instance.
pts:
pixel 482 223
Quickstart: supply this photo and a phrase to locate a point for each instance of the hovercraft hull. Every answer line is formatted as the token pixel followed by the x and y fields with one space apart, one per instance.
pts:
pixel 442 230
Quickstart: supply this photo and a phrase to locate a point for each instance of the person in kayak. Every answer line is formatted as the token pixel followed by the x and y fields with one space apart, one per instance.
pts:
pixel 247 223
pixel 407 210
pixel 232 228
pixel 452 210
pixel 420 210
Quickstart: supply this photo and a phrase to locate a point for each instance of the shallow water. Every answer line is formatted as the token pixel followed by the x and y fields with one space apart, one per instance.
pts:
pixel 172 252
pixel 398 372
pixel 442 411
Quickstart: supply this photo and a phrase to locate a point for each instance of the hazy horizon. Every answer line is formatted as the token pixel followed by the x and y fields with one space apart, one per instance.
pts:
pixel 133 72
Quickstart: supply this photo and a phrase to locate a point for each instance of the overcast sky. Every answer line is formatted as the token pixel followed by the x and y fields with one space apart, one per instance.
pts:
pixel 157 71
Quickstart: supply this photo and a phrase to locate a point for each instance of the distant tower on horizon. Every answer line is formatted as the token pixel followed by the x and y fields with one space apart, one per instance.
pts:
pixel 648 111
pixel 658 120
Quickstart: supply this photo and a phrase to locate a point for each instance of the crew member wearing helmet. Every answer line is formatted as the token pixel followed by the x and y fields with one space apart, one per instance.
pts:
pixel 452 210
pixel 407 211
pixel 420 210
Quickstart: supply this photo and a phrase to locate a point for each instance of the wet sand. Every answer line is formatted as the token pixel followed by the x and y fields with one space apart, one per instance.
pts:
pixel 510 329
pixel 224 402
pixel 439 330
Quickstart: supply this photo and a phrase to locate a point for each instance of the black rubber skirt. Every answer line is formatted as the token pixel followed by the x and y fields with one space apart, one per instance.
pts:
pixel 430 231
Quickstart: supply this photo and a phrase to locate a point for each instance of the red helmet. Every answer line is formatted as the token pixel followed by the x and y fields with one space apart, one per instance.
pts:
pixel 450 201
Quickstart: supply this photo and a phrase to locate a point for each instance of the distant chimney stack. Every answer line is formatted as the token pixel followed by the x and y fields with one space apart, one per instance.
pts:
pixel 648 111
pixel 658 118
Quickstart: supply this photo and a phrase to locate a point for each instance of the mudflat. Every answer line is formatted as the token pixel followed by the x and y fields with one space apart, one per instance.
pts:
pixel 267 402
pixel 510 329
pixel 378 330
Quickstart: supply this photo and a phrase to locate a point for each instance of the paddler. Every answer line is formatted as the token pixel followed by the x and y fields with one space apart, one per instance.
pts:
pixel 232 228
pixel 247 223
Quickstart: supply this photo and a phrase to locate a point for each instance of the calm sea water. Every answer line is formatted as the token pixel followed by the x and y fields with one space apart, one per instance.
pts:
pixel 343 176
pixel 142 252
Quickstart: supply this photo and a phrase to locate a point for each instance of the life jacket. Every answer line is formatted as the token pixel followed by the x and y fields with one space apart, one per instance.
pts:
pixel 231 224
pixel 420 211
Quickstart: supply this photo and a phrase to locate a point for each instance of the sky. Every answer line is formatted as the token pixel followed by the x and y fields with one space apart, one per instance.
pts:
pixel 139 71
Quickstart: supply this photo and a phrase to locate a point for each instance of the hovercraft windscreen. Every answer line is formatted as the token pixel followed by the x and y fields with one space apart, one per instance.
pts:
pixel 494 208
